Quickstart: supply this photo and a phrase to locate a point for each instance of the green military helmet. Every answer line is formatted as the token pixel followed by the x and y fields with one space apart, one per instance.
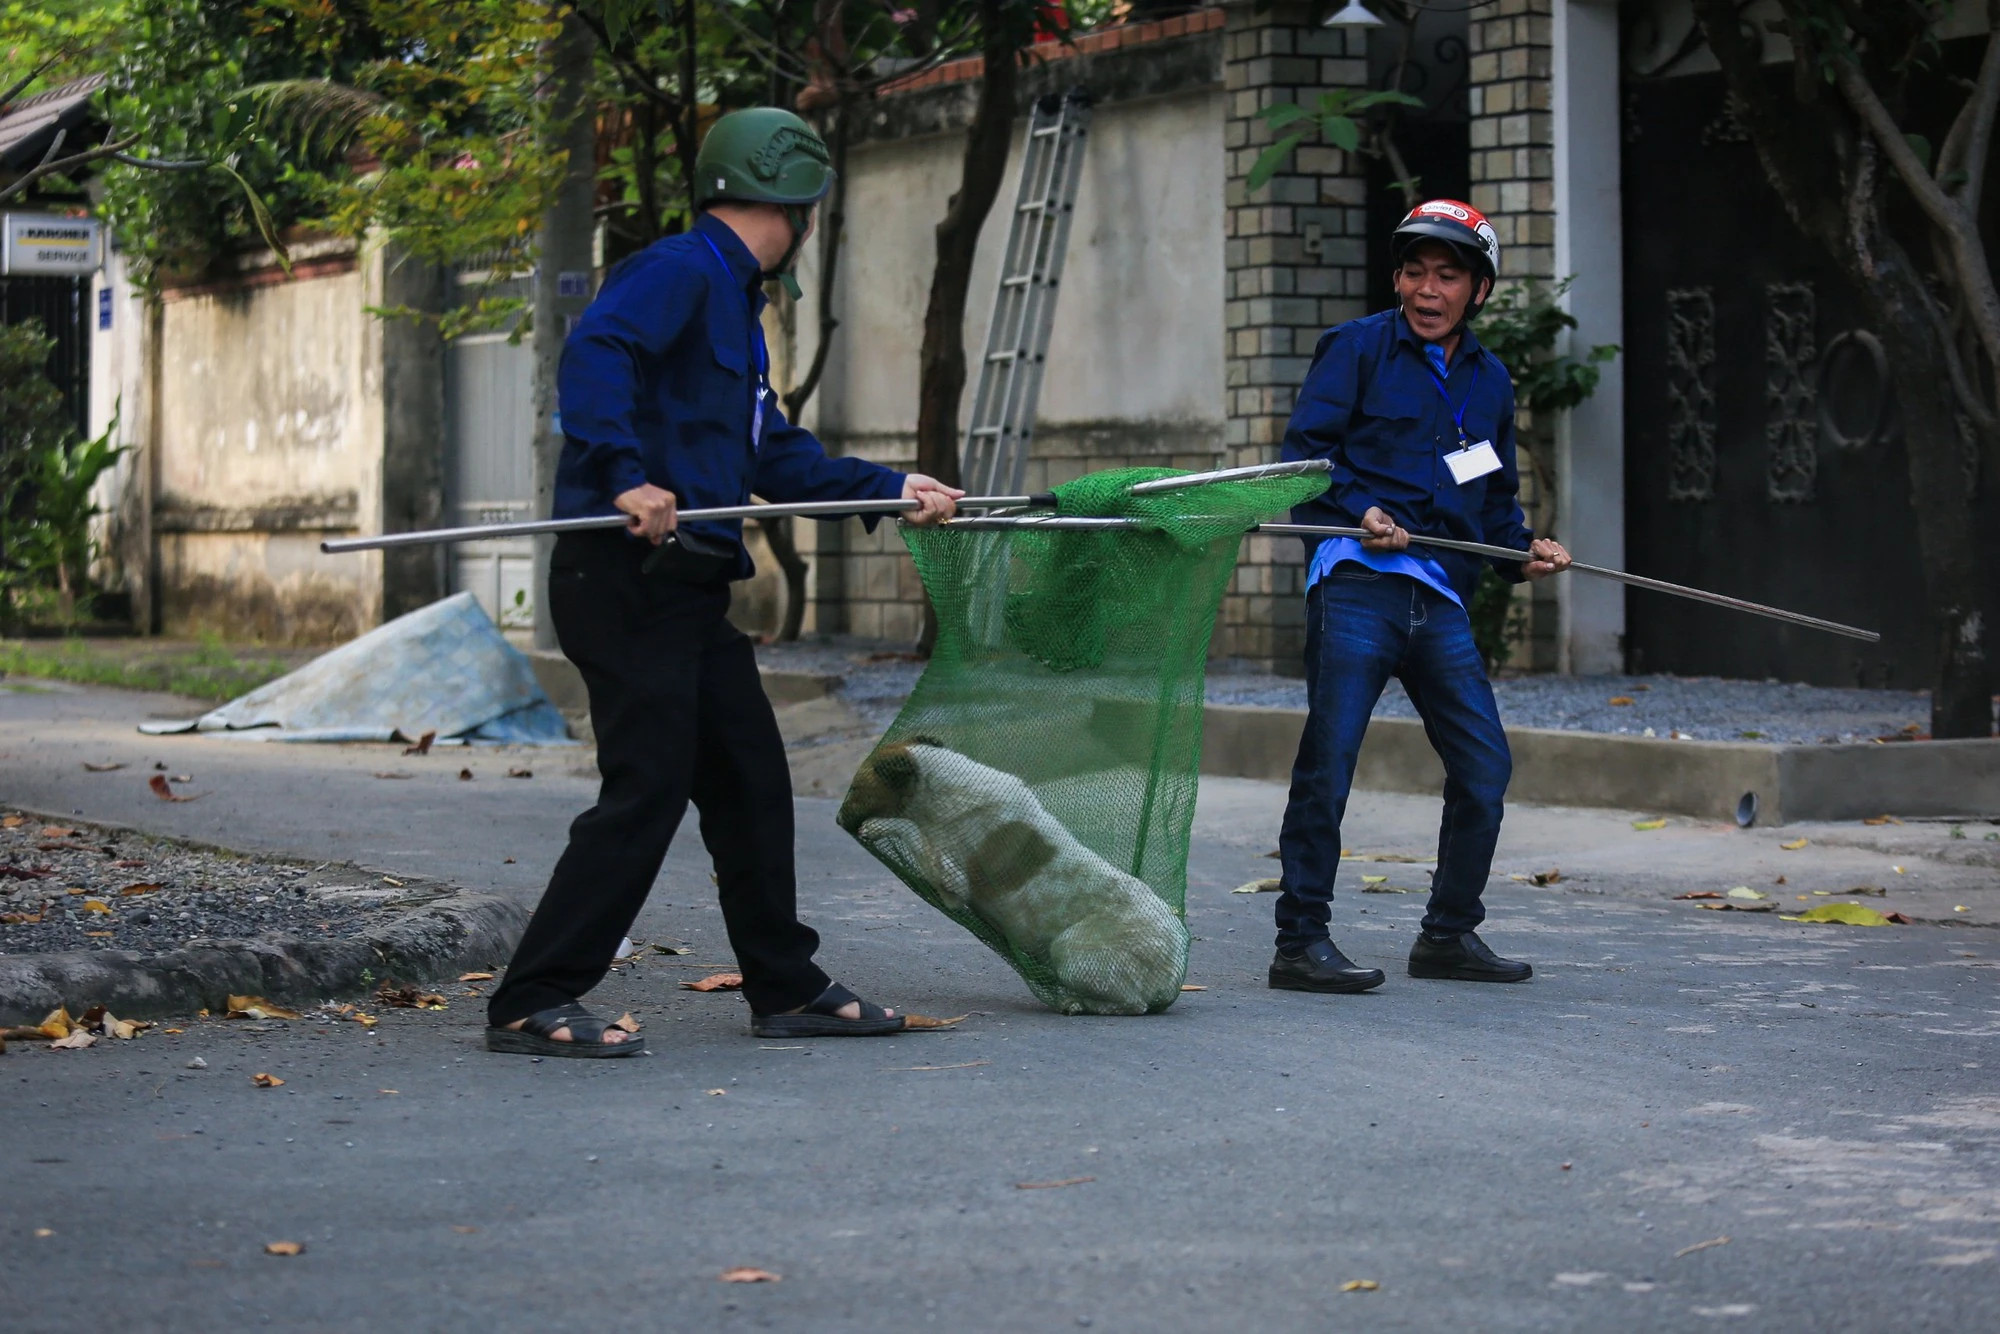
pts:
pixel 765 155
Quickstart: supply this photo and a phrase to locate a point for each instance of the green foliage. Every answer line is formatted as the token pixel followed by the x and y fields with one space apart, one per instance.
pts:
pixel 1334 119
pixel 208 670
pixel 1522 326
pixel 46 475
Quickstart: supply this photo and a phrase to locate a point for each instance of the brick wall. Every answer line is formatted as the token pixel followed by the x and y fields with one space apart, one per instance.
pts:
pixel 1513 184
pixel 1296 256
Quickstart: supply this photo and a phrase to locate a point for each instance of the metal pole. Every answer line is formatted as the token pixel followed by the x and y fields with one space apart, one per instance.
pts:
pixel 803 509
pixel 1083 524
pixel 1249 474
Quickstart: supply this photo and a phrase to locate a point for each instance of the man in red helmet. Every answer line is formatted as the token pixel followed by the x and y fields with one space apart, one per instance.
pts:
pixel 1417 420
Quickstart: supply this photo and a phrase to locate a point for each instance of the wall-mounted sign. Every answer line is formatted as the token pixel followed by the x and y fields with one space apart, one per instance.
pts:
pixel 45 243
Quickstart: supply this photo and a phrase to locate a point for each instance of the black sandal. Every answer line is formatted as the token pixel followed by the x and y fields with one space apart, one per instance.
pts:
pixel 820 1020
pixel 586 1032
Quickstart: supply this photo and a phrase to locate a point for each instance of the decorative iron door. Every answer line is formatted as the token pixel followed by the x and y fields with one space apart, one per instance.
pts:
pixel 1763 451
pixel 62 306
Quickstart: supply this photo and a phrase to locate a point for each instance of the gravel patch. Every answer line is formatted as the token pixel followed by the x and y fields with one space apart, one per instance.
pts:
pixel 72 886
pixel 876 678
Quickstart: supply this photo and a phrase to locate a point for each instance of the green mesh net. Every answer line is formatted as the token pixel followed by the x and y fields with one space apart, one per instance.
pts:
pixel 1039 787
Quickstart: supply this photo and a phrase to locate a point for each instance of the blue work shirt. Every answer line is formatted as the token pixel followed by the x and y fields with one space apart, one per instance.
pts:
pixel 1371 404
pixel 659 383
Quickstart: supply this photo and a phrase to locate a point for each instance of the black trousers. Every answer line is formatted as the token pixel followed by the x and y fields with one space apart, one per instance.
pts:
pixel 680 716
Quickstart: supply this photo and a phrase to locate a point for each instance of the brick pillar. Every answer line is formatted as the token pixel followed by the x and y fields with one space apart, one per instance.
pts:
pixel 1513 184
pixel 1296 255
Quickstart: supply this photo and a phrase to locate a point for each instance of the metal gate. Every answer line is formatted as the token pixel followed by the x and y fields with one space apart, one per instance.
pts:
pixel 1763 455
pixel 489 437
pixel 62 305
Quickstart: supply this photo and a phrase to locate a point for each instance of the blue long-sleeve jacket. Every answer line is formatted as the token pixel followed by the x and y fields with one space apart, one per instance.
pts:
pixel 659 383
pixel 1372 406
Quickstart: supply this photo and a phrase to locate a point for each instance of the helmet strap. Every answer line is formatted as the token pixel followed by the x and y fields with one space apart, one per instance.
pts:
pixel 799 217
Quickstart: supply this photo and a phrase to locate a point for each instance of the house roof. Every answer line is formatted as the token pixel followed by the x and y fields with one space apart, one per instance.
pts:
pixel 29 126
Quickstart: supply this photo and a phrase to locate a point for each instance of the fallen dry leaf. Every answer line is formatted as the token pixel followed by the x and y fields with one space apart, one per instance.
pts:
pixel 926 1021
pixel 126 1029
pixel 1846 914
pixel 173 1030
pixel 423 746
pixel 56 831
pixel 664 949
pixel 520 773
pixel 284 1248
pixel 465 775
pixel 1187 987
pixel 76 1041
pixel 100 935
pixel 13 822
pixel 1265 886
pixel 1897 918
pixel 716 982
pixel 256 1007
pixel 1882 820
pixel 1052 1185
pixel 1745 892
pixel 57 1023
pixel 24 873
pixel 407 997
pixel 475 977
pixel 264 1081
pixel 626 1022
pixel 143 887
pixel 1621 701
pixel 1552 876
pixel 1710 1244
pixel 745 1274
pixel 718 1093
pixel 158 782
pixel 102 768
pixel 45 1232
pixel 1700 894
pixel 1795 844
pixel 1360 1285
pixel 392 882
pixel 1649 824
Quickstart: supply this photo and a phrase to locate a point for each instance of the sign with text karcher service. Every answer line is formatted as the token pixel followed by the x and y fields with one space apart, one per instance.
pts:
pixel 45 243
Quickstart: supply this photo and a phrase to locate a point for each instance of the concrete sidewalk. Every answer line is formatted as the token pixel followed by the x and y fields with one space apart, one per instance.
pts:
pixel 1687 1119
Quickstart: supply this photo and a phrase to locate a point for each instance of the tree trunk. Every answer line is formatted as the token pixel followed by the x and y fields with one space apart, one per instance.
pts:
pixel 941 376
pixel 567 231
pixel 1941 494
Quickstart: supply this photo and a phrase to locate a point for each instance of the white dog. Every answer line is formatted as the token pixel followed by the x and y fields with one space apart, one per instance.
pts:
pixel 983 843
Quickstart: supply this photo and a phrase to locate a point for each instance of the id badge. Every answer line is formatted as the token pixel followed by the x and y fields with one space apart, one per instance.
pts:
pixel 757 419
pixel 1473 462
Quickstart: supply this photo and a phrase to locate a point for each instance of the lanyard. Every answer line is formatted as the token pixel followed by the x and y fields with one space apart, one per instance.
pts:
pixel 1457 413
pixel 763 389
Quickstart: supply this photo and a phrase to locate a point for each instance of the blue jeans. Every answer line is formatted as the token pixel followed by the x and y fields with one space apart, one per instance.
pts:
pixel 1363 627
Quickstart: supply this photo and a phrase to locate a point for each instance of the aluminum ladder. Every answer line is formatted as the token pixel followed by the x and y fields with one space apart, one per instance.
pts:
pixel 997 437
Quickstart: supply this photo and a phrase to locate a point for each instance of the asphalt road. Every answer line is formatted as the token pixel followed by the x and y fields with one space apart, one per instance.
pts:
pixel 1533 1157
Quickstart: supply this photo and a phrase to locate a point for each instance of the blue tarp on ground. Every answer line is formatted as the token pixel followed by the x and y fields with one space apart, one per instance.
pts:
pixel 444 668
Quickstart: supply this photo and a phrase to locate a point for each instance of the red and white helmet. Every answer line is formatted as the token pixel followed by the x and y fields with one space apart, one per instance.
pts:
pixel 1460 226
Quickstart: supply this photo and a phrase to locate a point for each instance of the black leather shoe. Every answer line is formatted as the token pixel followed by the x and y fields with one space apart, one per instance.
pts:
pixel 1321 966
pixel 1463 959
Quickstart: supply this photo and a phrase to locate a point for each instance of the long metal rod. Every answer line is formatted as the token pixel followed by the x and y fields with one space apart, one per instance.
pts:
pixel 1083 524
pixel 528 528
pixel 1251 473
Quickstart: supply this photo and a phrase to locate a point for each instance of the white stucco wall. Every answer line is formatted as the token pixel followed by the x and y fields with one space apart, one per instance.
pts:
pixel 1137 335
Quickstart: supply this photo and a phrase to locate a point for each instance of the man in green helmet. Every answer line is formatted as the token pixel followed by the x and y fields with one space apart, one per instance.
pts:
pixel 666 403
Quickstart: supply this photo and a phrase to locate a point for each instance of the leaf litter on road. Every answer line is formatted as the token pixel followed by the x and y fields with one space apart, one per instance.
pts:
pixel 1268 885
pixel 1846 914
pixel 284 1248
pixel 264 1081
pixel 746 1274
pixel 165 792
pixel 256 1007
pixel 715 982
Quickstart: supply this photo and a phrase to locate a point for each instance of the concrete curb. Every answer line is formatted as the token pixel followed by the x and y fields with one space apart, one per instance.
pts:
pixel 462 930
pixel 454 931
pixel 1699 778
